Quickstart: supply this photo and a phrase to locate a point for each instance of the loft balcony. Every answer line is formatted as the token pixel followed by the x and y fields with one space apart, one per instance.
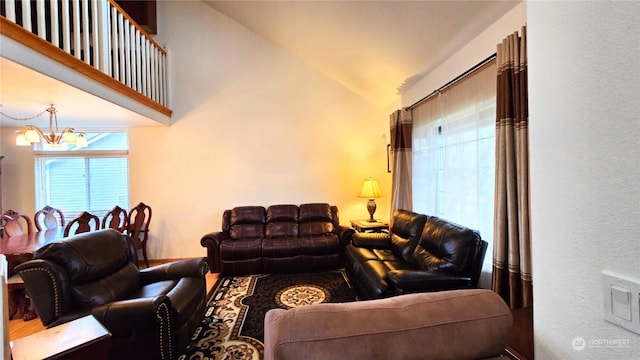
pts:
pixel 92 45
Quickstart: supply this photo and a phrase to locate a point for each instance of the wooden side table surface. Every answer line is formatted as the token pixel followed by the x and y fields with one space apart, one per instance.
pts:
pixel 373 226
pixel 83 338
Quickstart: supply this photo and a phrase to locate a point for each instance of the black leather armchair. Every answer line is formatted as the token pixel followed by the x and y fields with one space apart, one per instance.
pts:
pixel 151 313
pixel 420 254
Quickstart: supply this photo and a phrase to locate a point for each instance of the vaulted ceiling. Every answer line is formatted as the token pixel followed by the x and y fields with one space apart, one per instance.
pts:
pixel 375 48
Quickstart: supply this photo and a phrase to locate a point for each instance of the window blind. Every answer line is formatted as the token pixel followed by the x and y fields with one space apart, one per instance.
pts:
pixel 93 180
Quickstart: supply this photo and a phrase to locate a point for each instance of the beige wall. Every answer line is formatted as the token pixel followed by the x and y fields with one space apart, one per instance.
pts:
pixel 252 126
pixel 17 174
pixel 584 130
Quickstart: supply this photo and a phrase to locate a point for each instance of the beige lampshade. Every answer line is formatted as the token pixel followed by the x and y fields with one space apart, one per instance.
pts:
pixel 21 140
pixel 31 135
pixel 81 141
pixel 370 189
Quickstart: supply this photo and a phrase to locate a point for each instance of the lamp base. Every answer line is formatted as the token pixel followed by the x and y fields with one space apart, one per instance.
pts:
pixel 371 207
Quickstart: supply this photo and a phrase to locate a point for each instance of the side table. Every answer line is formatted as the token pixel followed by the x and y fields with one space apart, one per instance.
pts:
pixel 83 338
pixel 371 226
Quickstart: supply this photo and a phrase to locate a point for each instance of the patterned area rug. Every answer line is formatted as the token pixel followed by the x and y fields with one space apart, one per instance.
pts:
pixel 233 326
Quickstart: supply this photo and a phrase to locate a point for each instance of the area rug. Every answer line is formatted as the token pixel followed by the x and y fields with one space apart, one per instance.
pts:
pixel 233 326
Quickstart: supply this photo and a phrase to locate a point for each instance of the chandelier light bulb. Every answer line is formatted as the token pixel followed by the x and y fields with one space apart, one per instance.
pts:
pixel 31 135
pixel 69 137
pixel 21 140
pixel 81 141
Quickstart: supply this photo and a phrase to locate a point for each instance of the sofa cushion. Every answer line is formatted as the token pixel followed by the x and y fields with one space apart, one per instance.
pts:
pixel 358 254
pixel 319 244
pixel 108 289
pixel 280 247
pixel 315 219
pixel 246 248
pixel 247 222
pixel 406 228
pixel 282 220
pixel 445 246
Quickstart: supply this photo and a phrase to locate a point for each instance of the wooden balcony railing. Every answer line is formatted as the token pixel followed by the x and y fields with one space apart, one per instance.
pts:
pixel 98 33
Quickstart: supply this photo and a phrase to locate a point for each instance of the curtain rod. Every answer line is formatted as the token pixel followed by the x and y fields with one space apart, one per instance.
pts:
pixel 455 80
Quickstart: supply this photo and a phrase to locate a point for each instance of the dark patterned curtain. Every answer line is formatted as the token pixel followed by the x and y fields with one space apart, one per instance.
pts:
pixel 511 238
pixel 401 123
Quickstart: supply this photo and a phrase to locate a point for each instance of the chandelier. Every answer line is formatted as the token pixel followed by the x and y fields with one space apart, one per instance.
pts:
pixel 32 134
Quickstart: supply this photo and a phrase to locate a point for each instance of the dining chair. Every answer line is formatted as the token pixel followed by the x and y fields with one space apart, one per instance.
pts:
pixel 117 218
pixel 45 218
pixel 84 222
pixel 138 228
pixel 12 226
pixel 18 299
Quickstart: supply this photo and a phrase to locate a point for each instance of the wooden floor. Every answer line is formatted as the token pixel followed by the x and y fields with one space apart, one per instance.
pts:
pixel 19 328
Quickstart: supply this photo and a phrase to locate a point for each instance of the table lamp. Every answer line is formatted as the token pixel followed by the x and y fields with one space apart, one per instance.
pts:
pixel 370 189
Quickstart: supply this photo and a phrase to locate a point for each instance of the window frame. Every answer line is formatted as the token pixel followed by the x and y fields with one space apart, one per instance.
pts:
pixel 41 182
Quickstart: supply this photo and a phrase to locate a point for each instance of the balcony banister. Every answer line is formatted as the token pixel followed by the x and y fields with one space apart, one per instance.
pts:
pixel 98 33
pixel 34 42
pixel 137 26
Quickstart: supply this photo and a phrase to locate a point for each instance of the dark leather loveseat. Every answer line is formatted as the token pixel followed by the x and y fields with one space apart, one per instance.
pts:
pixel 280 238
pixel 150 313
pixel 419 254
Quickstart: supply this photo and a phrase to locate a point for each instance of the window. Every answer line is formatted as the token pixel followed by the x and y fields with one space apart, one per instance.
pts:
pixel 93 179
pixel 454 154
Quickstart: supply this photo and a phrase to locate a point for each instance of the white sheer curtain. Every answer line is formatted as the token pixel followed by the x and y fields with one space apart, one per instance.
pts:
pixel 400 127
pixel 454 154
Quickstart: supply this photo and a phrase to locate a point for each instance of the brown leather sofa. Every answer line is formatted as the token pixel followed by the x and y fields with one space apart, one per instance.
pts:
pixel 150 313
pixel 457 324
pixel 419 254
pixel 280 238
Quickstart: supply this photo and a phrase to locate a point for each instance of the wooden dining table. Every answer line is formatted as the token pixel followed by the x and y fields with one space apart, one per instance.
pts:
pixel 19 249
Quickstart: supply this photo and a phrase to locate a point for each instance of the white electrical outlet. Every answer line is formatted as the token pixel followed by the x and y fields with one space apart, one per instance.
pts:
pixel 621 296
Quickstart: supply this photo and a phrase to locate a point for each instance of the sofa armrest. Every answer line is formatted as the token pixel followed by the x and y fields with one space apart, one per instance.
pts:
pixel 214 238
pixel 212 242
pixel 196 267
pixel 344 234
pixel 50 281
pixel 371 240
pixel 412 281
pixel 138 318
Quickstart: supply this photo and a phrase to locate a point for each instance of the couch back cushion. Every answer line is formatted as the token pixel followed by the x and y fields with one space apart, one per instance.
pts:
pixel 448 247
pixel 247 222
pixel 315 219
pixel 406 227
pixel 89 256
pixel 99 265
pixel 282 221
pixel 435 325
pixel 108 289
